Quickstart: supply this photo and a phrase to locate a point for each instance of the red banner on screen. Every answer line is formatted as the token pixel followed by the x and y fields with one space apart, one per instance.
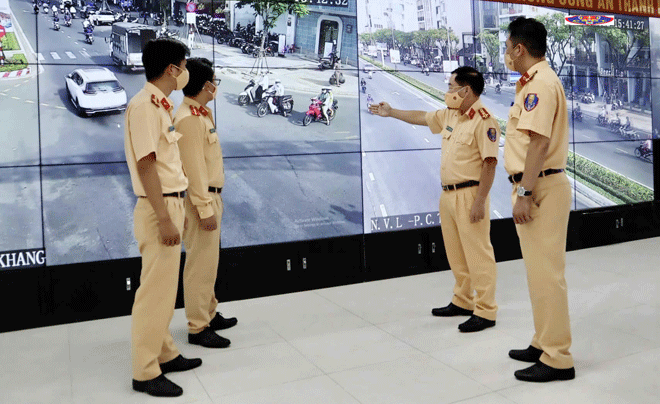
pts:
pixel 649 8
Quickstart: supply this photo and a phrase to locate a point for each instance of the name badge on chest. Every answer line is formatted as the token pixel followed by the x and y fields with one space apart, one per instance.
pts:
pixel 171 128
pixel 449 128
pixel 212 130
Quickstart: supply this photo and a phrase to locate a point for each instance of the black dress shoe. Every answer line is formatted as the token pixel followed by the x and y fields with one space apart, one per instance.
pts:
pixel 208 339
pixel 180 364
pixel 221 323
pixel 531 354
pixel 476 323
pixel 540 372
pixel 161 386
pixel 450 311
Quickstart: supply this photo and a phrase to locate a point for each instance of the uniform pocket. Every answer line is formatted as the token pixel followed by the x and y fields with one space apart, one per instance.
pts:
pixel 465 138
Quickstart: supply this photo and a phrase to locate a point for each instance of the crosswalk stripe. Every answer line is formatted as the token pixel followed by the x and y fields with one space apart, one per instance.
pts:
pixel 84 53
pixel 70 55
pixel 40 57
pixel 55 56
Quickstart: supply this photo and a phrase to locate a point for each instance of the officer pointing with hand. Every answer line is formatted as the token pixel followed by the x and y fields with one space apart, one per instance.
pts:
pixel 470 137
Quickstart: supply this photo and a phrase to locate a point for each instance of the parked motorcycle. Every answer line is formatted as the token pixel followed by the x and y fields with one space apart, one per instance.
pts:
pixel 588 98
pixel 643 152
pixel 264 107
pixel 328 62
pixel 251 94
pixel 498 88
pixel 315 112
pixel 46 9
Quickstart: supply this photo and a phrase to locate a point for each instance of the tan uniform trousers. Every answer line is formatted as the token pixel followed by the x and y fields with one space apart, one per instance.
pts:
pixel 201 268
pixel 151 340
pixel 543 245
pixel 470 252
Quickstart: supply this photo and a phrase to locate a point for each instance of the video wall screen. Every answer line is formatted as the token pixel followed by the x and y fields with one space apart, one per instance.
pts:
pixel 65 188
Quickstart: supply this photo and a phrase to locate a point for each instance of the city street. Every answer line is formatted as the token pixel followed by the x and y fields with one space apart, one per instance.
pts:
pixel 285 181
pixel 594 142
pixel 401 162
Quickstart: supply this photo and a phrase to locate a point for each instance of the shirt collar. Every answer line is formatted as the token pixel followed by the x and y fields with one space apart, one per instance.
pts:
pixel 472 111
pixel 529 74
pixel 158 97
pixel 190 102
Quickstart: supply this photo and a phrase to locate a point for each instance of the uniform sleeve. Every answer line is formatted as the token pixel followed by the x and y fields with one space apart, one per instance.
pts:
pixel 191 147
pixel 539 107
pixel 488 138
pixel 436 120
pixel 145 129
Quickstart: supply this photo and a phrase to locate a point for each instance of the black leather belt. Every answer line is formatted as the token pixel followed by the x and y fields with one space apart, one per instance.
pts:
pixel 465 184
pixel 216 190
pixel 181 194
pixel 518 177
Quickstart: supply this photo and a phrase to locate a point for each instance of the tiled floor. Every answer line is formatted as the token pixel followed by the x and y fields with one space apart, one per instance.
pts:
pixel 374 343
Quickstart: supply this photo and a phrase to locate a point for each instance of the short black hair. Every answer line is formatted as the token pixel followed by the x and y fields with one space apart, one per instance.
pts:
pixel 469 76
pixel 201 71
pixel 531 33
pixel 160 53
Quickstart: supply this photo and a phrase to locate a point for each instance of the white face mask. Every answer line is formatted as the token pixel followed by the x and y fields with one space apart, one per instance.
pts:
pixel 182 78
pixel 509 61
pixel 214 93
pixel 453 99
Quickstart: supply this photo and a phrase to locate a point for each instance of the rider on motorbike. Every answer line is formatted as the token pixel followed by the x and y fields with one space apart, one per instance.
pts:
pixel 369 100
pixel 36 7
pixel 55 10
pixel 262 85
pixel 56 21
pixel 627 124
pixel 327 98
pixel 277 90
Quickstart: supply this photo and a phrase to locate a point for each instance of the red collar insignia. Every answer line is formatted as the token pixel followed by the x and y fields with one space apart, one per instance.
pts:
pixel 471 113
pixel 484 114
pixel 194 110
pixel 203 111
pixel 165 104
pixel 154 101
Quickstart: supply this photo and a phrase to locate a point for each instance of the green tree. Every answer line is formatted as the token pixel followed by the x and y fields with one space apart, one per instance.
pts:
pixel 559 39
pixel 270 10
pixel 491 42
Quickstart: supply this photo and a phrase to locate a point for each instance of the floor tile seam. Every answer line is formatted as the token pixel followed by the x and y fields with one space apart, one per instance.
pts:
pixel 401 340
pixel 620 331
pixel 344 389
pixel 605 311
pixel 202 384
pixel 342 307
pixel 480 395
pixel 265 387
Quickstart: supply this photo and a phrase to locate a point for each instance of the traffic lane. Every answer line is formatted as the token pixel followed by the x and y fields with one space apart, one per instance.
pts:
pixel 20 122
pixel 620 158
pixel 79 225
pixel 69 138
pixel 20 208
pixel 379 133
pixel 68 45
pixel 243 133
pixel 291 198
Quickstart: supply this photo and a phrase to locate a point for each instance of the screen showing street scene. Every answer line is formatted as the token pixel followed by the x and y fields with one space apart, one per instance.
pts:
pixel 407 51
pixel 304 157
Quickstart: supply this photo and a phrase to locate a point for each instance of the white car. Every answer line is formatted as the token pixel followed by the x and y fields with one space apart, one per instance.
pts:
pixel 95 89
pixel 102 17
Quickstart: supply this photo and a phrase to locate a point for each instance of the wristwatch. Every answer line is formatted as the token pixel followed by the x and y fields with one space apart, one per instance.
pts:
pixel 523 192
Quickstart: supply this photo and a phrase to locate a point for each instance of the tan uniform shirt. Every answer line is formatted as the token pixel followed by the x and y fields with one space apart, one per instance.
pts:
pixel 201 153
pixel 467 140
pixel 148 129
pixel 540 106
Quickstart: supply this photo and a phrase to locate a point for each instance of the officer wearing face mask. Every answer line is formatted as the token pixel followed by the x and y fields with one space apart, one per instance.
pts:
pixel 535 156
pixel 159 182
pixel 470 137
pixel 201 155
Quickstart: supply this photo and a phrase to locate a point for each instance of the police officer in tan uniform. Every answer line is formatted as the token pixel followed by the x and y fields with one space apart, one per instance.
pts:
pixel 201 155
pixel 535 155
pixel 470 144
pixel 159 182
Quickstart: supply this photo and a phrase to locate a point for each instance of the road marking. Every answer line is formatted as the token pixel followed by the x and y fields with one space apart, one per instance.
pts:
pixel 19 84
pixel 343 132
pixel 371 177
pixel 364 154
pixel 588 137
pixel 395 93
pixel 623 151
pixel 413 126
pixel 382 210
pixel 15 98
pixel 497 214
pixel 85 54
pixel 40 57
pixel 60 107
pixel 55 56
pixel 427 141
pixel 43 104
pixel 29 101
pixel 71 55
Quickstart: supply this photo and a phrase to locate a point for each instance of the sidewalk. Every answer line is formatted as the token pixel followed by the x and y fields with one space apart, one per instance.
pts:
pixel 25 49
pixel 640 121
pixel 297 74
